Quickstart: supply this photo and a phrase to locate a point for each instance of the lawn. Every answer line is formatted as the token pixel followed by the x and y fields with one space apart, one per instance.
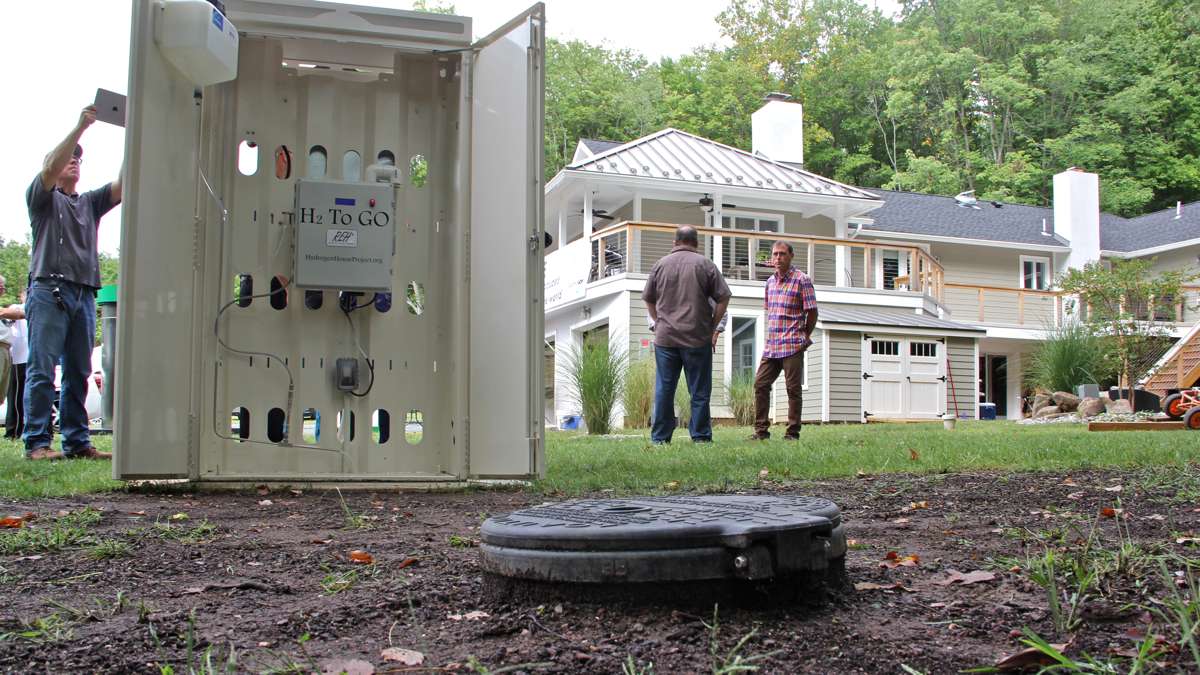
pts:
pixel 627 463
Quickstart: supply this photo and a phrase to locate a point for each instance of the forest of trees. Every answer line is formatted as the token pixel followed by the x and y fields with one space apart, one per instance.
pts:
pixel 991 95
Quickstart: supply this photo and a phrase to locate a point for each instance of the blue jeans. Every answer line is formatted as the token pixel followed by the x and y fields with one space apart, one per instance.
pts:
pixel 57 334
pixel 696 363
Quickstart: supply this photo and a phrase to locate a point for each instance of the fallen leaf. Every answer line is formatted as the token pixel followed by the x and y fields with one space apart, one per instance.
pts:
pixel 893 560
pixel 178 516
pixel 265 502
pixel 361 557
pixel 913 456
pixel 1188 540
pixel 1156 516
pixel 1115 488
pixel 965 579
pixel 863 474
pixel 1027 658
pixel 263 489
pixel 1068 481
pixel 901 521
pixel 12 522
pixel 405 656
pixel 295 493
pixel 30 557
pixel 1076 495
pixel 852 542
pixel 868 586
pixel 762 475
pixel 321 541
pixel 998 530
pixel 407 562
pixel 264 644
pixel 918 505
pixel 1109 512
pixel 477 615
pixel 136 513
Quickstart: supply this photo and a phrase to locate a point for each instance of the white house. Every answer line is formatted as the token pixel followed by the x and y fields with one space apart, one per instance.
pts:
pixel 928 304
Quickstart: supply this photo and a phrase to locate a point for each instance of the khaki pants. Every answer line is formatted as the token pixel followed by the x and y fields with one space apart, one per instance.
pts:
pixel 793 377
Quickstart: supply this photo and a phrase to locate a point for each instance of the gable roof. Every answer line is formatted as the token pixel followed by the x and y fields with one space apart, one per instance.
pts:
pixel 1151 230
pixel 938 215
pixel 676 155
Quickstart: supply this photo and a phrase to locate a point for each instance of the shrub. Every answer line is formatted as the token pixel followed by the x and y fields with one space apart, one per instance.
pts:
pixel 1070 356
pixel 596 374
pixel 638 394
pixel 741 398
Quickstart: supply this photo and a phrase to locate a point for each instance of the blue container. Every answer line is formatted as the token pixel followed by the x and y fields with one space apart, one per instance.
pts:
pixel 987 411
pixel 570 422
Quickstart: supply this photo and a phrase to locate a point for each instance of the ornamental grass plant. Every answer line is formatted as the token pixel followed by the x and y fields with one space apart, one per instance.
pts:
pixel 596 373
pixel 637 396
pixel 741 398
pixel 1070 356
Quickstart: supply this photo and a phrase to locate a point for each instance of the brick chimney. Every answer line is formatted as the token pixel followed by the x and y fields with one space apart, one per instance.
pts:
pixel 777 129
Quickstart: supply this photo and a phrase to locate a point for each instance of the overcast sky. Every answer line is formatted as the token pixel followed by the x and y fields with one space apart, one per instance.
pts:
pixel 59 54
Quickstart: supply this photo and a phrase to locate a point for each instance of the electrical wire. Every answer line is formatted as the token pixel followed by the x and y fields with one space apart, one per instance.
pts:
pixel 358 345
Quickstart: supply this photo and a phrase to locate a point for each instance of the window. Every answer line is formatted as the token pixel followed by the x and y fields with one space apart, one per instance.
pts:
pixel 1035 273
pixel 737 251
pixel 885 347
pixel 926 349
pixel 744 345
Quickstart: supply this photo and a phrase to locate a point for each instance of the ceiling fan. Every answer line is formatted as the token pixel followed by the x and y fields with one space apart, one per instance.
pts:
pixel 706 202
pixel 599 213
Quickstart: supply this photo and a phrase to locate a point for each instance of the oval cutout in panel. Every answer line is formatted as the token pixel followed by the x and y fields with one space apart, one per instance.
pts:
pixel 275 422
pixel 283 162
pixel 414 297
pixel 418 170
pixel 386 157
pixel 318 161
pixel 381 428
pixel 312 425
pixel 278 293
pixel 243 289
pixel 239 423
pixel 352 166
pixel 247 158
pixel 341 427
pixel 414 427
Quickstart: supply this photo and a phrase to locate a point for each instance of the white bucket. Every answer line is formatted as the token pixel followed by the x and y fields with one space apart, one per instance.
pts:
pixel 948 421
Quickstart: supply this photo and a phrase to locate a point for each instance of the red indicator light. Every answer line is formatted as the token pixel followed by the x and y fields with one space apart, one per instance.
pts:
pixel 372 201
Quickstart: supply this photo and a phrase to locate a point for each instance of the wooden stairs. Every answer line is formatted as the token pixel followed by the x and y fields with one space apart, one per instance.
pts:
pixel 1179 368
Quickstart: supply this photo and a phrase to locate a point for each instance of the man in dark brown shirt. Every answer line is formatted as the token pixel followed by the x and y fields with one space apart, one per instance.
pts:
pixel 686 297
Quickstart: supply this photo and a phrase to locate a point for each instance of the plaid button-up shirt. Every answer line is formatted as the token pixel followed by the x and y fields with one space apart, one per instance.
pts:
pixel 786 302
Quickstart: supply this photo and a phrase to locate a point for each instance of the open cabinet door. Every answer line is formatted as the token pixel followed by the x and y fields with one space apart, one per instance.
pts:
pixel 154 415
pixel 506 315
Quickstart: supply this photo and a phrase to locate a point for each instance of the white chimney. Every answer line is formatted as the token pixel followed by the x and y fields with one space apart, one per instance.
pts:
pixel 1077 215
pixel 777 129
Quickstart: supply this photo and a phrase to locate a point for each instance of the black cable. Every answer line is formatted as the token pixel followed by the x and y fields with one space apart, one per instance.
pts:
pixel 370 365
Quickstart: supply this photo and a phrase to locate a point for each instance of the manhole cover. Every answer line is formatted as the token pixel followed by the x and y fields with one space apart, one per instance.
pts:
pixel 666 539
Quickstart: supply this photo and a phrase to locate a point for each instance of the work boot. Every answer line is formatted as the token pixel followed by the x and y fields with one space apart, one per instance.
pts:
pixel 759 437
pixel 90 452
pixel 45 453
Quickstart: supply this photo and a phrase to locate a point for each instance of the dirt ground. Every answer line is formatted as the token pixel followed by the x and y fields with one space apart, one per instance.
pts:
pixel 176 580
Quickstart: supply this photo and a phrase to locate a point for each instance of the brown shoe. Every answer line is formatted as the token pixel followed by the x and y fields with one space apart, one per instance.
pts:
pixel 90 452
pixel 45 453
pixel 759 437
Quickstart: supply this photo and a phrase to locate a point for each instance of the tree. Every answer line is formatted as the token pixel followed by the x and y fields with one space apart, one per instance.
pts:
pixel 1126 305
pixel 433 7
pixel 14 265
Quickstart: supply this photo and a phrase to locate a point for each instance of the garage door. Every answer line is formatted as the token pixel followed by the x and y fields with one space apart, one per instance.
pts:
pixel 903 377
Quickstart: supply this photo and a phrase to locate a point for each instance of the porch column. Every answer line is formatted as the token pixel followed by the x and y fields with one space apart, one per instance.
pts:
pixel 841 259
pixel 716 222
pixel 1016 373
pixel 562 227
pixel 587 213
pixel 635 238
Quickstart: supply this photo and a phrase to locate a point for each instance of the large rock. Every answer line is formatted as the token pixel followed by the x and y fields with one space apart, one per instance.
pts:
pixel 1047 411
pixel 1090 407
pixel 1040 401
pixel 1120 406
pixel 1066 401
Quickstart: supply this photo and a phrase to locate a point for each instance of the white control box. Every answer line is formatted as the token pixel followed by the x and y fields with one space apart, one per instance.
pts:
pixel 345 235
pixel 198 40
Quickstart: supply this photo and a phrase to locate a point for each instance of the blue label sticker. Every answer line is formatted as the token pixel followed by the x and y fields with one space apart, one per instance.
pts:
pixel 343 201
pixel 218 20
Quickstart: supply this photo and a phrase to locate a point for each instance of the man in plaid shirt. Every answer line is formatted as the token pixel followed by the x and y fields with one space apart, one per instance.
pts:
pixel 791 307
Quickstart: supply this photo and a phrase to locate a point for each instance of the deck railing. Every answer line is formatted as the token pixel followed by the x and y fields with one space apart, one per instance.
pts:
pixel 745 255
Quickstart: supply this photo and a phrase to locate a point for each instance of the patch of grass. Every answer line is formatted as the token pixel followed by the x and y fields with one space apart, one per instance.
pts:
pixel 107 549
pixel 50 534
pixel 734 660
pixel 461 542
pixel 637 396
pixel 23 479
pixel 577 463
pixel 200 533
pixel 43 629
pixel 336 582
pixel 352 520
pixel 630 666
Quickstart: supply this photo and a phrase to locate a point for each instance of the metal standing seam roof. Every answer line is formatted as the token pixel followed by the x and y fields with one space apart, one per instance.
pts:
pixel 826 314
pixel 671 154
